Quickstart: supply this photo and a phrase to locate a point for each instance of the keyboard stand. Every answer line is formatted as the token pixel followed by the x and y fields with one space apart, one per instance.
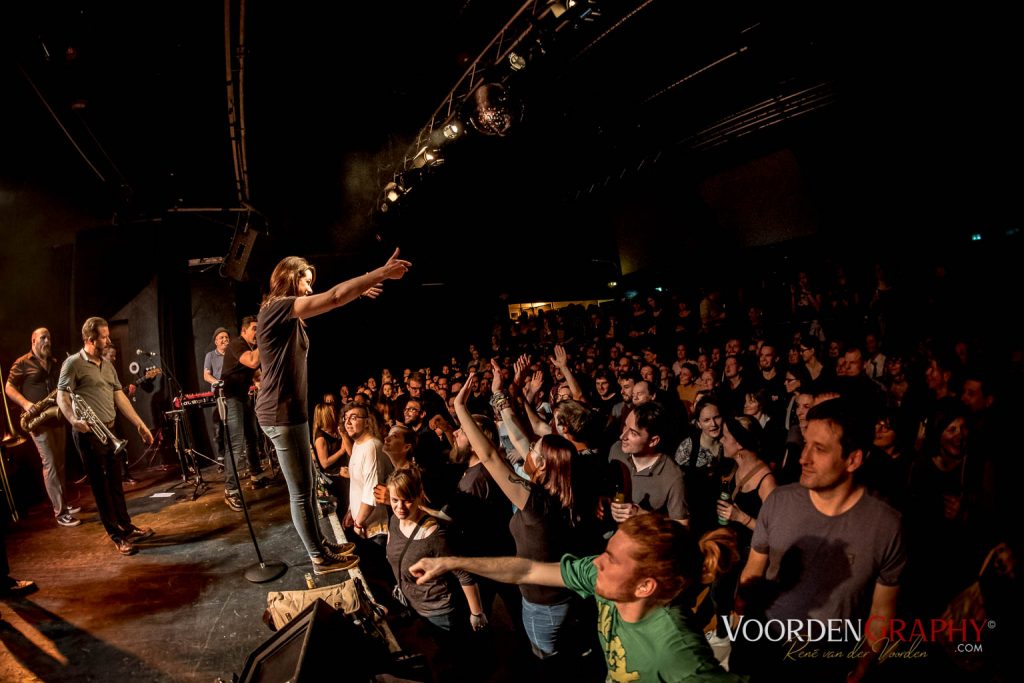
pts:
pixel 191 472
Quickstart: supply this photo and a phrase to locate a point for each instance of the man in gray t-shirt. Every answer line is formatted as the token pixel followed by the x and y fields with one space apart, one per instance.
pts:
pixel 825 548
pixel 90 381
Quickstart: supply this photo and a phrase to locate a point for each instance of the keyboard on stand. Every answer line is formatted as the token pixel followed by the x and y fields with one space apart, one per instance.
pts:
pixel 200 400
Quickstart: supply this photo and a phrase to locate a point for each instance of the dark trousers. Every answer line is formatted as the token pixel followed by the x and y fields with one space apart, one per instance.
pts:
pixel 241 440
pixel 104 470
pixel 219 444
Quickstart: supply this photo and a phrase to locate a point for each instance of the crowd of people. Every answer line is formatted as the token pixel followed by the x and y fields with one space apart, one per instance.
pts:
pixel 809 440
pixel 658 466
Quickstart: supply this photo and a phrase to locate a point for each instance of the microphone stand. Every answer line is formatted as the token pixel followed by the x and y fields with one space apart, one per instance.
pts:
pixel 170 375
pixel 263 571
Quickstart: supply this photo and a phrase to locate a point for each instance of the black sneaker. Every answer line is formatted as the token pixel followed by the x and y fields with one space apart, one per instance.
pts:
pixel 124 546
pixel 233 500
pixel 74 510
pixel 325 564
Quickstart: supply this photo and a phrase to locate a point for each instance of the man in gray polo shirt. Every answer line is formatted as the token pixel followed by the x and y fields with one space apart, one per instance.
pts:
pixel 655 482
pixel 94 379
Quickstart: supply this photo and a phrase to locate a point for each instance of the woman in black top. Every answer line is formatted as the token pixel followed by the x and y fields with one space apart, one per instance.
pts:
pixel 412 535
pixel 282 404
pixel 750 483
pixel 543 525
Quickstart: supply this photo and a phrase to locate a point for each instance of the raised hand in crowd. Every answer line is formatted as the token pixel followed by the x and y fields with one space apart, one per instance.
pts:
pixel 497 380
pixel 535 384
pixel 562 363
pixel 463 395
pixel 439 425
pixel 561 360
pixel 443 429
pixel 520 366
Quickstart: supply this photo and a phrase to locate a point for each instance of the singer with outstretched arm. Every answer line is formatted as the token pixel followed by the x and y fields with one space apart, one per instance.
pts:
pixel 282 406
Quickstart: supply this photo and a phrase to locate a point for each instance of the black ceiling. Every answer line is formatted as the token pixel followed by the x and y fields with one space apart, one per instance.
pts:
pixel 119 107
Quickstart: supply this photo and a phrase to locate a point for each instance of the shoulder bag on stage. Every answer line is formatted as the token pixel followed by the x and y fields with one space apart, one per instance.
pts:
pixel 283 606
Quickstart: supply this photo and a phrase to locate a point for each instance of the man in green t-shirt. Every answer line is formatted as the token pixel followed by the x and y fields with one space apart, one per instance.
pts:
pixel 646 564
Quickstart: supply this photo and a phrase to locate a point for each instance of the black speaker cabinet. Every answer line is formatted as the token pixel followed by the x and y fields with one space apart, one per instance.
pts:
pixel 238 257
pixel 320 641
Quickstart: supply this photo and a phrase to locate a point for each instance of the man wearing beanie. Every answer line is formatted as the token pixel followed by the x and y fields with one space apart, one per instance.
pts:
pixel 213 365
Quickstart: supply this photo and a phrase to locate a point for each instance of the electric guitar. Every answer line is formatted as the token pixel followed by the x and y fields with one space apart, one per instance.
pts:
pixel 149 374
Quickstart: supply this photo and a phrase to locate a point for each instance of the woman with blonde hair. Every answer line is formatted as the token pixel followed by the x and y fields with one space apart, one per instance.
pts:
pixel 332 453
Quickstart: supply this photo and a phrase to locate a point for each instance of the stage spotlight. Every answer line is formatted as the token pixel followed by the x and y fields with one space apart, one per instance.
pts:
pixel 432 157
pixel 516 61
pixel 426 156
pixel 393 191
pixel 451 130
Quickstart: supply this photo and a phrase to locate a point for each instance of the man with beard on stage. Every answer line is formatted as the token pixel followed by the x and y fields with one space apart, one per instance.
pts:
pixel 93 379
pixel 32 379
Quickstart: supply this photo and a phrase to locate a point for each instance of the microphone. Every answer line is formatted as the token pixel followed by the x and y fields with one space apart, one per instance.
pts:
pixel 140 352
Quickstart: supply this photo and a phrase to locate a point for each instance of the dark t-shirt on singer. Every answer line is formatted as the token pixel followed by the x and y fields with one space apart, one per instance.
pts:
pixel 283 346
pixel 237 377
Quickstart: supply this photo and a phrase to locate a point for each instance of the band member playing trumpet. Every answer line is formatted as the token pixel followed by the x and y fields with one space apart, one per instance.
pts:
pixel 31 384
pixel 91 383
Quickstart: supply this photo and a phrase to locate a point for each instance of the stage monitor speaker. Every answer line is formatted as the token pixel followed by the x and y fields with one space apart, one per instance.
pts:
pixel 318 641
pixel 238 256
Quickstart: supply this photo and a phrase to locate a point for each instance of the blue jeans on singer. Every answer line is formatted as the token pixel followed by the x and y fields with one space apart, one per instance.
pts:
pixel 296 460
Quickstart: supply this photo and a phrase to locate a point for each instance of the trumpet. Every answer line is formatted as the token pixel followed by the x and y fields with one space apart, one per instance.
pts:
pixel 84 412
